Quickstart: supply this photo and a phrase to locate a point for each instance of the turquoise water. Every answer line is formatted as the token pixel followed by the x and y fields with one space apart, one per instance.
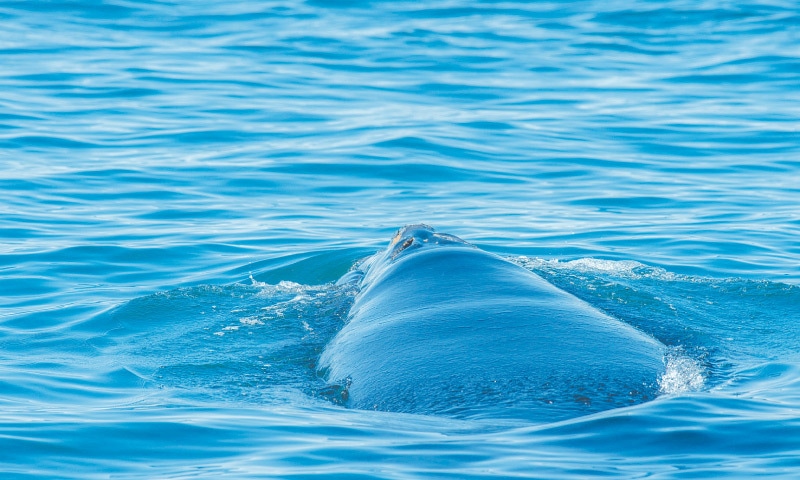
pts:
pixel 183 183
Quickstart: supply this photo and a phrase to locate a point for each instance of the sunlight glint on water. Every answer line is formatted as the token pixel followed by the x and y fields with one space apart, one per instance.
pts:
pixel 183 184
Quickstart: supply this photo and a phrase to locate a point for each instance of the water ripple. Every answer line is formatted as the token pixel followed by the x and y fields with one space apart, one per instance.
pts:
pixel 152 146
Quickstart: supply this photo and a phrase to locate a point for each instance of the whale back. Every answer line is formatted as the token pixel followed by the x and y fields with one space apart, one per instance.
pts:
pixel 448 329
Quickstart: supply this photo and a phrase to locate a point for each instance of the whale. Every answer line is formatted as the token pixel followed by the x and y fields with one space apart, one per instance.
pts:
pixel 441 327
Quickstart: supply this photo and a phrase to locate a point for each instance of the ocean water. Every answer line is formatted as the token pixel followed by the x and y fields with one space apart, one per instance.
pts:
pixel 184 182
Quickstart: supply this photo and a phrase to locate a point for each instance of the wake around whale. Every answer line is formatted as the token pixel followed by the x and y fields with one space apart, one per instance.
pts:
pixel 441 327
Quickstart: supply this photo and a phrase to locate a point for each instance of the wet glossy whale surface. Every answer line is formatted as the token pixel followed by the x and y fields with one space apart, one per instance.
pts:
pixel 441 327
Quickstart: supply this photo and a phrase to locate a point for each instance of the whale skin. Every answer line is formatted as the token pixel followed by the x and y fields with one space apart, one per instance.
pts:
pixel 441 327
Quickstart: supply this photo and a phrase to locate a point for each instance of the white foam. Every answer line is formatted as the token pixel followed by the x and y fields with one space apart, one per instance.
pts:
pixel 618 268
pixel 250 321
pixel 683 374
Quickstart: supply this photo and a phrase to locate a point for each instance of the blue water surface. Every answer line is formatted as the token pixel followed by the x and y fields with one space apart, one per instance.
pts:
pixel 184 182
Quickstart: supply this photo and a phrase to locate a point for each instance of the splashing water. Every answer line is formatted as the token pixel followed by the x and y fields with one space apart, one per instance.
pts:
pixel 683 374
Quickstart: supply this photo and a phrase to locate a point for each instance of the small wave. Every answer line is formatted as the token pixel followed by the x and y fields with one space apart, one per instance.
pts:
pixel 284 286
pixel 777 382
pixel 618 268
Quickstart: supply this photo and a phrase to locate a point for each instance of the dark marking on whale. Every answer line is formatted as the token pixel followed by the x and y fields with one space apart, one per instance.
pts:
pixel 440 327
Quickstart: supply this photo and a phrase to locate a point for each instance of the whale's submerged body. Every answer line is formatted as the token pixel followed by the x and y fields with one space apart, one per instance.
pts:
pixel 441 327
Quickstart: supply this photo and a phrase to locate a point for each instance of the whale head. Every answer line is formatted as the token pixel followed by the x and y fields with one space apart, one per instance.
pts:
pixel 413 237
pixel 405 242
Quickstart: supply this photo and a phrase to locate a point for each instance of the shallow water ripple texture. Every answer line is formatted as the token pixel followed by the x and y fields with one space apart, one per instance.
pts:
pixel 183 183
